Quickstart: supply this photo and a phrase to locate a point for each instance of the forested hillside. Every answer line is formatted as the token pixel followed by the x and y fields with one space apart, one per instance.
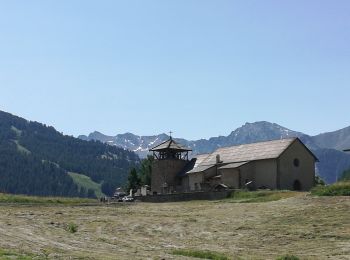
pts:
pixel 35 159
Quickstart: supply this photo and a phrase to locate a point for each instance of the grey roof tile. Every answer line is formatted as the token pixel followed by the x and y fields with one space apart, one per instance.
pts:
pixel 233 165
pixel 249 152
pixel 200 158
pixel 170 144
pixel 238 155
pixel 200 168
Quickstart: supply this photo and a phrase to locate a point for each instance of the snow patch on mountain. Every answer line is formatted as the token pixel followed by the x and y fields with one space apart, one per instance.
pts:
pixel 248 133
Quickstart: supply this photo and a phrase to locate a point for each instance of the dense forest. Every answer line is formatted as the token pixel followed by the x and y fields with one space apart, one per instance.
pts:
pixel 35 159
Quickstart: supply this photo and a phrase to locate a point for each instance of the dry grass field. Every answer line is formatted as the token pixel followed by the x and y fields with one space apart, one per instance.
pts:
pixel 306 226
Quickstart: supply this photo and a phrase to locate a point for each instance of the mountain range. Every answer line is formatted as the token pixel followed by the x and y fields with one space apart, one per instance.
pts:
pixel 328 147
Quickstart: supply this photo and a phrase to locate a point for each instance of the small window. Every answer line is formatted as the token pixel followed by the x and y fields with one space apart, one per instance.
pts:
pixel 296 162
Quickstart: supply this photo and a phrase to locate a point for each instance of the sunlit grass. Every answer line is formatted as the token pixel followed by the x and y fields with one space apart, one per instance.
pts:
pixel 10 255
pixel 336 189
pixel 10 198
pixel 203 254
pixel 259 196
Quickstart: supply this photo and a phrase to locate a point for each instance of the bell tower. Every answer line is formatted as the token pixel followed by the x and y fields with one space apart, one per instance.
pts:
pixel 170 158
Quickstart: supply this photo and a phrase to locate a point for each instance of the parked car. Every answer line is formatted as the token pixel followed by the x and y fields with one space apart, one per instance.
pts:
pixel 128 199
pixel 119 194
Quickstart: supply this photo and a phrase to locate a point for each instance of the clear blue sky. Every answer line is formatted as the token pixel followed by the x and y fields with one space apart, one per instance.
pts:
pixel 198 68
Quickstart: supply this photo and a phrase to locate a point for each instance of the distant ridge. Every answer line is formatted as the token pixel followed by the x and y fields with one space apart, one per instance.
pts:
pixel 327 146
pixel 339 140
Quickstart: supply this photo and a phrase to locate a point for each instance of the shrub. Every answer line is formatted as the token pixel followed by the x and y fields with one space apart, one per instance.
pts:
pixel 319 181
pixel 72 228
pixel 336 189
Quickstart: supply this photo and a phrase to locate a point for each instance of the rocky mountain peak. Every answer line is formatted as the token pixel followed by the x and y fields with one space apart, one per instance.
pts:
pixel 327 146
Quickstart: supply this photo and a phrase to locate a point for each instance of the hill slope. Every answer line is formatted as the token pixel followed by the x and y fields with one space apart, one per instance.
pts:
pixel 35 160
pixel 85 182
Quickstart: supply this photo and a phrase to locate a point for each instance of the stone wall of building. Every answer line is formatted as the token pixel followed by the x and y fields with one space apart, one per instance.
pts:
pixel 265 174
pixel 230 177
pixel 195 181
pixel 247 174
pixel 184 184
pixel 295 165
pixel 199 180
pixel 165 171
pixel 200 195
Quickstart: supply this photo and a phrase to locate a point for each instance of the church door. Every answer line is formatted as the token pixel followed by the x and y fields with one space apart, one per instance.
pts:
pixel 296 185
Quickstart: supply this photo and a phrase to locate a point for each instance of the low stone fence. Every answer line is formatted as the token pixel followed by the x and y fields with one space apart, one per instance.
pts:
pixel 186 196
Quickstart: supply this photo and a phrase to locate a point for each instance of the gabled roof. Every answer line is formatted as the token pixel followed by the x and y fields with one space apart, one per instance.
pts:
pixel 170 144
pixel 198 161
pixel 200 168
pixel 200 158
pixel 233 165
pixel 250 152
pixel 236 156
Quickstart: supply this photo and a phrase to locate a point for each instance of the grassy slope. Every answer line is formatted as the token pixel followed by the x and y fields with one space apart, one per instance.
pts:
pixel 85 181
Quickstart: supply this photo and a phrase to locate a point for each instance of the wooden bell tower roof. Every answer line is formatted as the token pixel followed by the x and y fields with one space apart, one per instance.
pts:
pixel 170 150
pixel 170 144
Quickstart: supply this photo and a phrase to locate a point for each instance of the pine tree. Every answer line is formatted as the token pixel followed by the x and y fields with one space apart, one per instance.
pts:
pixel 145 171
pixel 133 180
